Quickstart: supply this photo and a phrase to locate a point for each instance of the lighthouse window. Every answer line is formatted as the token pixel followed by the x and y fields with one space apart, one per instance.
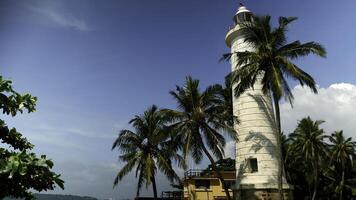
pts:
pixel 252 165
pixel 248 17
pixel 241 17
pixel 244 16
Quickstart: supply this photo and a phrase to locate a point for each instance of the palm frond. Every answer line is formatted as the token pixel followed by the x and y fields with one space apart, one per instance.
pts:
pixel 124 171
pixel 296 49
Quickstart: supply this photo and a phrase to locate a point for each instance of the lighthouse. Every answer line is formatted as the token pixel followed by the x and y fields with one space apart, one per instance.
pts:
pixel 257 150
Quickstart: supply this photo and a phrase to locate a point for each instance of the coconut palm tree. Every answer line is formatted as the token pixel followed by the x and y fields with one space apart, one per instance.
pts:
pixel 342 152
pixel 271 63
pixel 309 142
pixel 297 170
pixel 147 149
pixel 198 122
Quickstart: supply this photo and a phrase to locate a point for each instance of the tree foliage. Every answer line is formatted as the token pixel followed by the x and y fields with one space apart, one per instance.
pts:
pixel 227 164
pixel 200 121
pixel 319 166
pixel 57 197
pixel 272 60
pixel 147 149
pixel 21 170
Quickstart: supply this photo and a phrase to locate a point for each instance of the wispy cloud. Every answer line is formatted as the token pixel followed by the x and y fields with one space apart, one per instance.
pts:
pixel 66 21
pixel 61 19
pixel 80 131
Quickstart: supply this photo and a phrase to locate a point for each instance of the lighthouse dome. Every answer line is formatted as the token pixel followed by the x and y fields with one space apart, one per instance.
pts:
pixel 242 15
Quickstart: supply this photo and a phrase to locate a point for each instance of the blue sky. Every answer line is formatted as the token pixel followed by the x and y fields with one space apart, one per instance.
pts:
pixel 95 64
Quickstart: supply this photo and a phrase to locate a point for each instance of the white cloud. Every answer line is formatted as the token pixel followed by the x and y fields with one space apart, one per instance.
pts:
pixel 334 104
pixel 67 21
pixel 63 19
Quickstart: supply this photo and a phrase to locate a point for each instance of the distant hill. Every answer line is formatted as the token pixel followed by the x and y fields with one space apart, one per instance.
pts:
pixel 57 197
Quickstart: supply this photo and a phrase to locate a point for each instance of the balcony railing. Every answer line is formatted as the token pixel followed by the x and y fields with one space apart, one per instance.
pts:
pixel 195 173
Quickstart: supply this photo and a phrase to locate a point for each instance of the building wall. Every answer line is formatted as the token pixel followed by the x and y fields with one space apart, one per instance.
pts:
pixel 262 194
pixel 215 190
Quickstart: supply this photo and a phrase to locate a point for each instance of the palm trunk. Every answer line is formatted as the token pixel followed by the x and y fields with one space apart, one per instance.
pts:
pixel 316 180
pixel 154 187
pixel 342 182
pixel 279 149
pixel 220 177
pixel 138 187
pixel 309 189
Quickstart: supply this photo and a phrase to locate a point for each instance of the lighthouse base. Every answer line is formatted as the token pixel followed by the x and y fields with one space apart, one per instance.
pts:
pixel 248 192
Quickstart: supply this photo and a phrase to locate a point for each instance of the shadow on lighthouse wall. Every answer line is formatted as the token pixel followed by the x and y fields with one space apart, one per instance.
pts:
pixel 266 108
pixel 259 139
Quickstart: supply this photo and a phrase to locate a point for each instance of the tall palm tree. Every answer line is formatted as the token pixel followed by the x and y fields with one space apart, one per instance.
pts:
pixel 147 149
pixel 271 63
pixel 342 152
pixel 198 121
pixel 309 141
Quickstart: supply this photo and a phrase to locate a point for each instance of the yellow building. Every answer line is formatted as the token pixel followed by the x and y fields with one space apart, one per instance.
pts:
pixel 204 185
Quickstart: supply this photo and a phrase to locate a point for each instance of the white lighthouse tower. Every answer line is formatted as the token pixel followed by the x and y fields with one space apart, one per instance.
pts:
pixel 257 153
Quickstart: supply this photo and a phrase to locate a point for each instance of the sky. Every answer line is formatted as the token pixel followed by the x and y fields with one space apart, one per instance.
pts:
pixel 95 64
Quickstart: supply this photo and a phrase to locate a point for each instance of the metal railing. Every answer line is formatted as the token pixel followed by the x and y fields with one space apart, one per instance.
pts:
pixel 194 173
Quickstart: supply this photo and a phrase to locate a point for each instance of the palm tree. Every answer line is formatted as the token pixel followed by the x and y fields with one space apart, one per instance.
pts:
pixel 147 149
pixel 271 63
pixel 309 141
pixel 198 122
pixel 297 170
pixel 342 151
